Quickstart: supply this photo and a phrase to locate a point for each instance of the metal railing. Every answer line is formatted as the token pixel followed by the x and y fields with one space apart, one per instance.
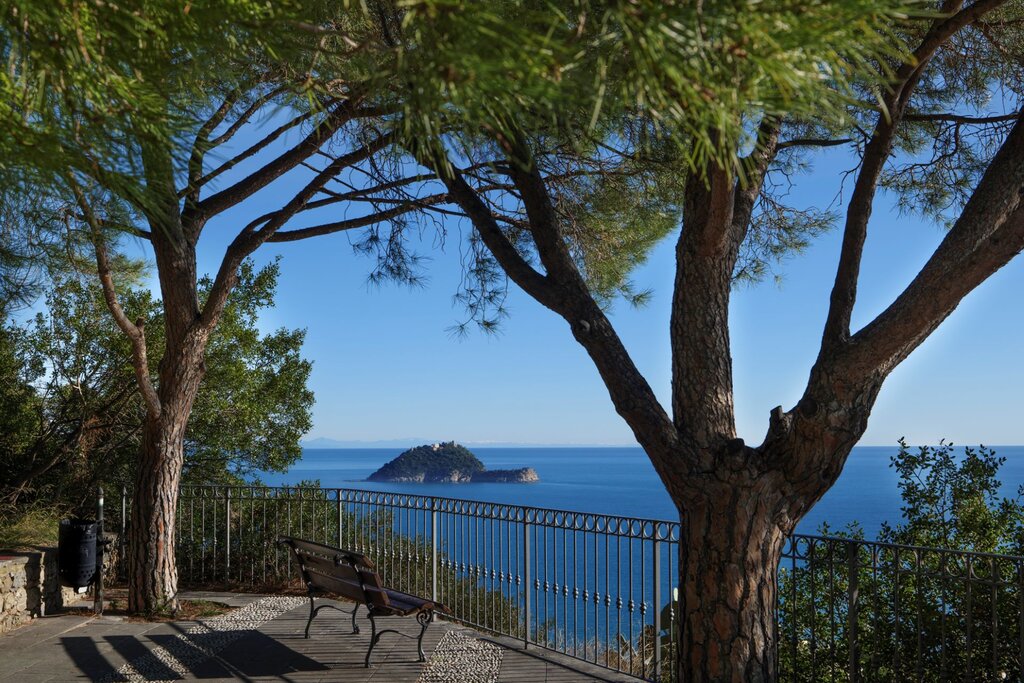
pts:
pixel 854 610
pixel 601 588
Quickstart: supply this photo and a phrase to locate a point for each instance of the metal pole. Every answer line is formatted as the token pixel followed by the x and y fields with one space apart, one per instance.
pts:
pixel 98 593
pixel 433 552
pixel 227 534
pixel 340 537
pixel 122 539
pixel 528 575
pixel 853 588
pixel 657 606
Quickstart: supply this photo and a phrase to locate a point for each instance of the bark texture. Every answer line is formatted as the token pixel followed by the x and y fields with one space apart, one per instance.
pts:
pixel 152 571
pixel 727 605
pixel 153 577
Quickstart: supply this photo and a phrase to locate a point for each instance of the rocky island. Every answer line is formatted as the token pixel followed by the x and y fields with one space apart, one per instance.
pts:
pixel 446 463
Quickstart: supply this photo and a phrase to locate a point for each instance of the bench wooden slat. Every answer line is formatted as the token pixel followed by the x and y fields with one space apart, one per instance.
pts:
pixel 350 590
pixel 310 561
pixel 350 556
pixel 343 571
pixel 409 604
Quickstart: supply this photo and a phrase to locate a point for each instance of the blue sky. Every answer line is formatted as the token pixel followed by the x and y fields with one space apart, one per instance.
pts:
pixel 386 367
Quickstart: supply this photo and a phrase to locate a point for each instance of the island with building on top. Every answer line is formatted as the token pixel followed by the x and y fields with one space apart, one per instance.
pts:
pixel 446 463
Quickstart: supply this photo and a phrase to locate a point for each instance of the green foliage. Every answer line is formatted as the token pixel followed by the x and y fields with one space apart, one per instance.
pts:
pixel 578 78
pixel 954 502
pixel 698 70
pixel 72 403
pixel 429 462
pixel 777 232
pixel 254 404
pixel 19 404
pixel 86 80
pixel 32 525
pixel 614 209
pixel 919 608
pixel 978 76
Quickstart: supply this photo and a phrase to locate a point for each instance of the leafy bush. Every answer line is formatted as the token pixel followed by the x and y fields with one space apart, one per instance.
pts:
pixel 71 415
pixel 30 526
pixel 907 607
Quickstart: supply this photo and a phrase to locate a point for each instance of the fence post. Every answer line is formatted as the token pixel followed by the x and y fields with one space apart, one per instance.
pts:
pixel 528 576
pixel 97 603
pixel 657 606
pixel 121 560
pixel 433 551
pixel 227 534
pixel 852 609
pixel 340 534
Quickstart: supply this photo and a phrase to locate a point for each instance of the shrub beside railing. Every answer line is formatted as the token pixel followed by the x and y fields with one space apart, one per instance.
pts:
pixel 601 588
pixel 853 610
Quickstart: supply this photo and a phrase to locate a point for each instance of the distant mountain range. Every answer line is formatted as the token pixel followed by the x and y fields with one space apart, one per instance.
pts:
pixel 324 442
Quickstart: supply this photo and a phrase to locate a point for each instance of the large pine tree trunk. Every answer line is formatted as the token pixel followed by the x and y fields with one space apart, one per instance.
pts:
pixel 153 574
pixel 729 552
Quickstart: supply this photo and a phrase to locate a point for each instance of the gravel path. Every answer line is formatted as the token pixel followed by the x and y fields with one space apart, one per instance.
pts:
pixel 201 641
pixel 459 658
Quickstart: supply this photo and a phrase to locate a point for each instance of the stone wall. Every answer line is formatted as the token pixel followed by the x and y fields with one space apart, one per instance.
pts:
pixel 29 587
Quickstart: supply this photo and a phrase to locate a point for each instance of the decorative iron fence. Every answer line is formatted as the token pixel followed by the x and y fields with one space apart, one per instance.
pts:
pixel 852 610
pixel 602 588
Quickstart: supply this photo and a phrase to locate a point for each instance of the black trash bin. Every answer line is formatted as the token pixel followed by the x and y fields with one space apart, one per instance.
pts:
pixel 76 552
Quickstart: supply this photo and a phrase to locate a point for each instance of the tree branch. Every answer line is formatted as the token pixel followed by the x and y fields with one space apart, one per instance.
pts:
pixel 766 148
pixel 833 412
pixel 134 331
pixel 202 144
pixel 258 232
pixel 273 170
pixel 988 233
pixel 361 194
pixel 943 30
pixel 361 222
pixel 515 266
pixel 876 153
pixel 813 142
pixel 246 115
pixel 249 152
pixel 629 391
pixel 958 118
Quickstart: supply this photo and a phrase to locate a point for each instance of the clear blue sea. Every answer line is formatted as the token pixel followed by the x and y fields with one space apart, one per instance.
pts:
pixel 621 481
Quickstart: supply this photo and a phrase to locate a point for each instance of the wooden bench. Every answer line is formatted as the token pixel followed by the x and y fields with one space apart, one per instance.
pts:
pixel 350 575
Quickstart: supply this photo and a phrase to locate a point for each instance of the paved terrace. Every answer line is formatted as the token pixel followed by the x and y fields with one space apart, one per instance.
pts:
pixel 263 641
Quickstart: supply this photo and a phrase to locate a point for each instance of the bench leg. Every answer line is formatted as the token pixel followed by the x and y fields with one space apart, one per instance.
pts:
pixel 373 639
pixel 312 613
pixel 424 618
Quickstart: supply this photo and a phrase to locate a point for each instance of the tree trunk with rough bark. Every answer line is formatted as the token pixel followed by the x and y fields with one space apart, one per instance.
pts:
pixel 734 524
pixel 153 574
pixel 728 552
pixel 153 577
